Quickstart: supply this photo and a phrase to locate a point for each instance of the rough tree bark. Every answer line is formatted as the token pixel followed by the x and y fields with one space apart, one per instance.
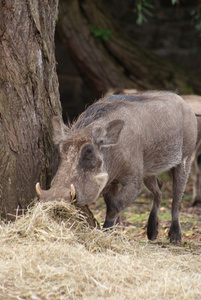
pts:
pixel 118 62
pixel 28 98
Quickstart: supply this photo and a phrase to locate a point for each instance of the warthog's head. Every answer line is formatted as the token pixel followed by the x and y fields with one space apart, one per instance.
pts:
pixel 82 173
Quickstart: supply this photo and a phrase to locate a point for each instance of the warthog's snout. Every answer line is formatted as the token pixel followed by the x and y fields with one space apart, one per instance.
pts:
pixel 49 195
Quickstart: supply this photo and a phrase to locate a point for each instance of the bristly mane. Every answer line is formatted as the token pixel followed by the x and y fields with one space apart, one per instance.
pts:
pixel 110 103
pixel 105 106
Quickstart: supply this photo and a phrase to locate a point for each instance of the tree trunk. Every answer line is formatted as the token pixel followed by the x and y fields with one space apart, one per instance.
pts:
pixel 116 62
pixel 29 97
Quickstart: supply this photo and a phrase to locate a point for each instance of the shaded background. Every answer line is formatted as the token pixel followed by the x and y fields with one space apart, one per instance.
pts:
pixel 170 33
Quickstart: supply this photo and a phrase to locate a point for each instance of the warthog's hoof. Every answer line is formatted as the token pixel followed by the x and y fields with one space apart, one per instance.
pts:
pixel 108 224
pixel 175 233
pixel 152 235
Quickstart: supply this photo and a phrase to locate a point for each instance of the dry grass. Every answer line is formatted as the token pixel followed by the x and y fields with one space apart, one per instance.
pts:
pixel 52 253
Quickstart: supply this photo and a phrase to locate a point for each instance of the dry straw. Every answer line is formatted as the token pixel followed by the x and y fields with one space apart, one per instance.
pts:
pixel 52 253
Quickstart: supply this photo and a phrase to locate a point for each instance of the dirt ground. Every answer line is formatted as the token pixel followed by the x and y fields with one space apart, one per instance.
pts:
pixel 135 217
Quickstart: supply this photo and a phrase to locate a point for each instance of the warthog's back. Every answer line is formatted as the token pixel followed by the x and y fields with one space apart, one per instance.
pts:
pixel 160 128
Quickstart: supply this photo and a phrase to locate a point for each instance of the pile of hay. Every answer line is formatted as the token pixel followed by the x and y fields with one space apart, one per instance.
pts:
pixel 52 253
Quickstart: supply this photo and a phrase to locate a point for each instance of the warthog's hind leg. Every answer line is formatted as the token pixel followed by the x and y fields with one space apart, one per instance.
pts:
pixel 154 185
pixel 180 176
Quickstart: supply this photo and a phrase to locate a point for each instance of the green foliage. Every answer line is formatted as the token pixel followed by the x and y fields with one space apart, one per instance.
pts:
pixel 143 8
pixel 165 216
pixel 196 15
pixel 137 219
pixel 101 34
pixel 175 2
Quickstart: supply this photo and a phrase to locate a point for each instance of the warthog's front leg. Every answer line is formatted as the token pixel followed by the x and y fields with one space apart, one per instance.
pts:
pixel 154 185
pixel 112 212
pixel 117 198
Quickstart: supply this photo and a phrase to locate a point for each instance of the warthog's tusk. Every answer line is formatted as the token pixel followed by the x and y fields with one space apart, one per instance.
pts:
pixel 38 189
pixel 72 191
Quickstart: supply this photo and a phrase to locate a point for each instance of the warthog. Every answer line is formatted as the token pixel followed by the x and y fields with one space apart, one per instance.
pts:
pixel 194 102
pixel 117 144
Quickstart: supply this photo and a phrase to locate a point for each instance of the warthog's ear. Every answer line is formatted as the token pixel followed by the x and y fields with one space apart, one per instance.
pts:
pixel 60 130
pixel 108 135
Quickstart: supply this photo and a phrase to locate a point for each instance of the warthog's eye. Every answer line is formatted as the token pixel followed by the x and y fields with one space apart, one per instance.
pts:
pixel 87 158
pixel 87 152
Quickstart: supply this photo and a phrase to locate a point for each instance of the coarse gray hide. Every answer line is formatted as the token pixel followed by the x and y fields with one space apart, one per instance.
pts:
pixel 194 102
pixel 119 143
